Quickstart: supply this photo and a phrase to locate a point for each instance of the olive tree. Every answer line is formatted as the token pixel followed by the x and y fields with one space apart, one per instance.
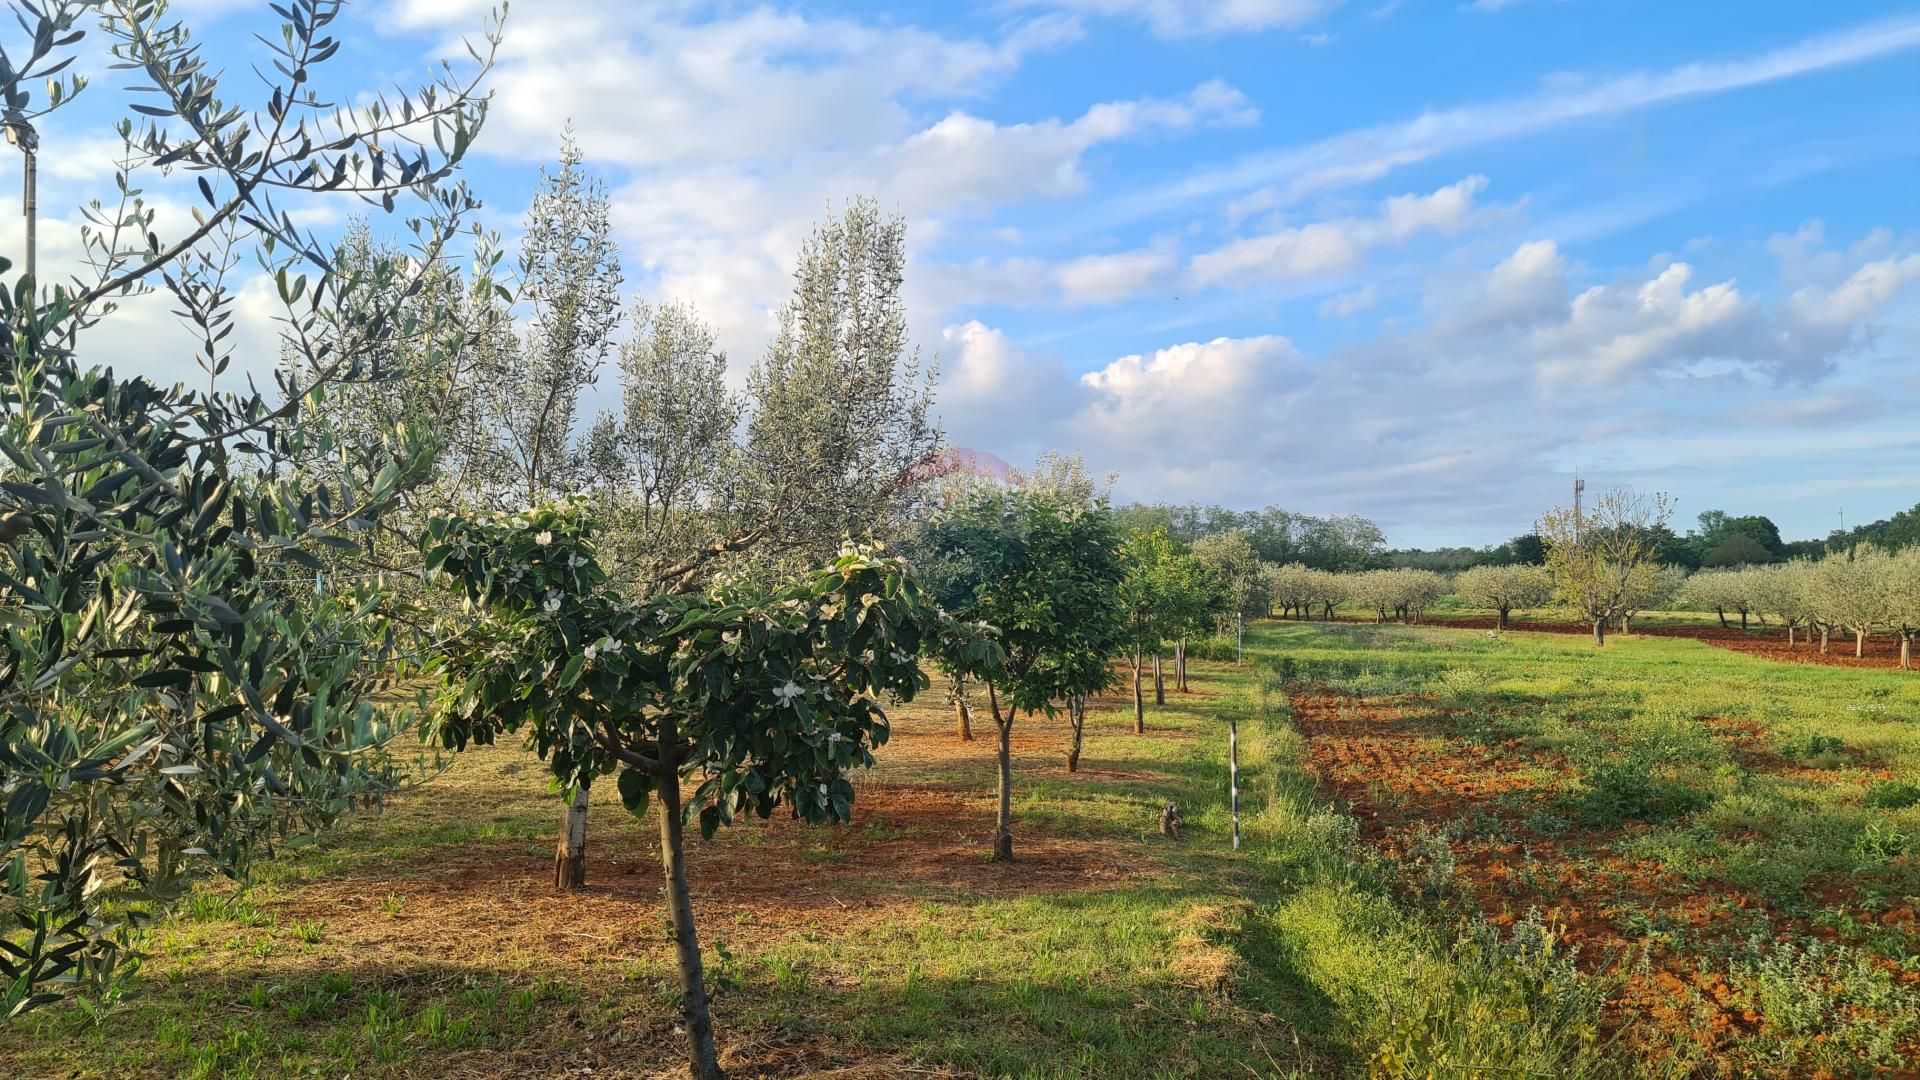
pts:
pixel 841 424
pixel 1655 590
pixel 176 695
pixel 1781 589
pixel 1903 600
pixel 1850 590
pixel 1505 589
pixel 1401 593
pixel 1601 557
pixel 706 706
pixel 1730 590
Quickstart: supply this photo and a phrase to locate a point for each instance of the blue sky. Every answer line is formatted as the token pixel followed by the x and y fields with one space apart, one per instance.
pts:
pixel 1413 260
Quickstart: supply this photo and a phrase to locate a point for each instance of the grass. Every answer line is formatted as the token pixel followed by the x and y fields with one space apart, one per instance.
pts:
pixel 1341 939
pixel 1731 839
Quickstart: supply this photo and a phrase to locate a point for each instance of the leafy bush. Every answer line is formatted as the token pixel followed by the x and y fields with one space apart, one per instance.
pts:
pixel 1516 1000
pixel 1464 683
pixel 1828 1008
pixel 1892 794
pixel 1820 746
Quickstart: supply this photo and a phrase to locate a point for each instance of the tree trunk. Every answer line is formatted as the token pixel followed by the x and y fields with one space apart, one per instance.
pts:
pixel 1743 620
pixel 1859 644
pixel 1906 652
pixel 965 712
pixel 1501 623
pixel 1159 683
pixel 570 854
pixel 1077 719
pixel 1625 622
pixel 1789 636
pixel 1180 665
pixel 701 1057
pixel 1139 699
pixel 1003 832
pixel 1600 631
pixel 1722 612
pixel 1823 641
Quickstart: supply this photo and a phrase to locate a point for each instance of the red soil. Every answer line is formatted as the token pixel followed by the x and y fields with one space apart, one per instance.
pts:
pixel 1399 764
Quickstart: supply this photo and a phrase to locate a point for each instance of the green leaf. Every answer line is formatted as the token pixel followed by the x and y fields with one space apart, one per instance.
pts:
pixel 635 786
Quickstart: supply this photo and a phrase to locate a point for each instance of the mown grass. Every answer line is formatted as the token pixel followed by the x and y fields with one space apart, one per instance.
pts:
pixel 370 954
pixel 422 941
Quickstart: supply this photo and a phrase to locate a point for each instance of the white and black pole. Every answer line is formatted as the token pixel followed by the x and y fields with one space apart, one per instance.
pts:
pixel 1233 776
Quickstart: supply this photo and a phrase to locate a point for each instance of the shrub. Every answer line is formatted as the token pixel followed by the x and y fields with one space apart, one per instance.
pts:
pixel 1823 746
pixel 1892 794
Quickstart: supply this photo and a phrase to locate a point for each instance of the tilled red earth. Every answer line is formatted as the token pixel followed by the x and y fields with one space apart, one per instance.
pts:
pixel 1401 764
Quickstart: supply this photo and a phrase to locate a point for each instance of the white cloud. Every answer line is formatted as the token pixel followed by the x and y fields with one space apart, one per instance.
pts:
pixel 1348 304
pixel 1111 278
pixel 1182 18
pixel 1327 247
pixel 1462 423
pixel 1370 153
pixel 964 160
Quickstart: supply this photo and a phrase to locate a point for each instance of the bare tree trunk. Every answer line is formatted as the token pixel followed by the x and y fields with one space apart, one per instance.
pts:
pixel 1159 683
pixel 1625 623
pixel 1139 699
pixel 1859 644
pixel 570 854
pixel 1823 641
pixel 1789 635
pixel 1180 665
pixel 1743 620
pixel 1906 652
pixel 1003 833
pixel 1600 631
pixel 1501 623
pixel 702 1059
pixel 1076 719
pixel 1722 612
pixel 963 709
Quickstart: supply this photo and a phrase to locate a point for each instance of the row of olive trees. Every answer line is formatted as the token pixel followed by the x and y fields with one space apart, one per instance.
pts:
pixel 1865 591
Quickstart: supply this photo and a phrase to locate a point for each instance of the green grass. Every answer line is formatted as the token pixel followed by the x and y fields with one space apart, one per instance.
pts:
pixel 421 941
pixel 1747 825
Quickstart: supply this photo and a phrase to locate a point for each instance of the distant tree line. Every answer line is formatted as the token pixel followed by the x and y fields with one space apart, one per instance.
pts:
pixel 1717 540
pixel 1340 542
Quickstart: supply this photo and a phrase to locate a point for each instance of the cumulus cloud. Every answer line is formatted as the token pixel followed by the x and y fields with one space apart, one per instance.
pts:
pixel 1466 420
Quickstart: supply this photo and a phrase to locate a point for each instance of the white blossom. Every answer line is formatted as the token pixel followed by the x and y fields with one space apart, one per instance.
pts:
pixel 787 693
pixel 552 602
pixel 543 537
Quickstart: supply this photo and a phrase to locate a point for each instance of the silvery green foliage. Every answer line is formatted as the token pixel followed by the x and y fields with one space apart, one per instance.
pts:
pixel 669 469
pixel 841 428
pixel 179 691
pixel 569 284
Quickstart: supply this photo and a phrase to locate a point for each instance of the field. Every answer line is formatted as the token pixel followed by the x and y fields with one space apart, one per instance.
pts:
pixel 1441 827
